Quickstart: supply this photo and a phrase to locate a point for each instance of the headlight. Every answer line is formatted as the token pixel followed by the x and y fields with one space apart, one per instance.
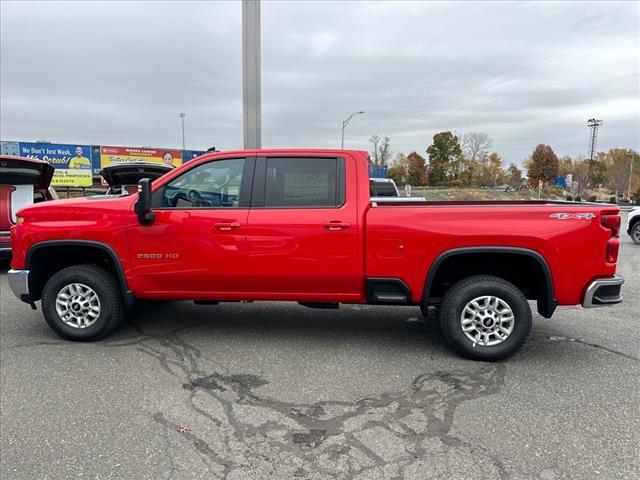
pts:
pixel 19 220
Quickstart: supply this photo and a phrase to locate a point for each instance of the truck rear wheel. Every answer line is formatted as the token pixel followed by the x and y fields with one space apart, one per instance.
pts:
pixel 485 318
pixel 635 233
pixel 82 303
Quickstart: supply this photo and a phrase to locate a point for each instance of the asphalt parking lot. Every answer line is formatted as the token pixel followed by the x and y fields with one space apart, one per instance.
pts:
pixel 278 391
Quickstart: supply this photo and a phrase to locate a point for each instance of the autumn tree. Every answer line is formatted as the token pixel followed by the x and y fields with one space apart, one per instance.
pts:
pixel 514 174
pixel 621 163
pixel 416 170
pixel 492 173
pixel 444 157
pixel 565 166
pixel 543 164
pixel 398 170
pixel 581 173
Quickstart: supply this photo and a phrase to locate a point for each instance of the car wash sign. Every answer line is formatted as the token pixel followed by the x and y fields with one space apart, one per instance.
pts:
pixel 72 163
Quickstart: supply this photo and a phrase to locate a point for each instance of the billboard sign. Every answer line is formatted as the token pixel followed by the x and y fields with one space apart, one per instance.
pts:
pixel 114 155
pixel 72 163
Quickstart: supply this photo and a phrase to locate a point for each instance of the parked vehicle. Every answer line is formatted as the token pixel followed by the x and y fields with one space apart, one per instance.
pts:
pixel 383 187
pixel 23 181
pixel 299 225
pixel 123 178
pixel 633 225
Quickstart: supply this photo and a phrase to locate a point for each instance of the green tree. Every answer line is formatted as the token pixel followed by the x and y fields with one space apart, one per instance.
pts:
pixel 444 157
pixel 416 169
pixel 543 164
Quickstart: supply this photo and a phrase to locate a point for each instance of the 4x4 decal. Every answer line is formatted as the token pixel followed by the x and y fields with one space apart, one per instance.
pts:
pixel 573 216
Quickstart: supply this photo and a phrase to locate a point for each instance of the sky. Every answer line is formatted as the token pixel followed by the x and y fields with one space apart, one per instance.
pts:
pixel 118 73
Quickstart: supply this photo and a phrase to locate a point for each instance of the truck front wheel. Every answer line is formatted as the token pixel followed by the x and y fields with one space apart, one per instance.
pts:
pixel 485 318
pixel 82 303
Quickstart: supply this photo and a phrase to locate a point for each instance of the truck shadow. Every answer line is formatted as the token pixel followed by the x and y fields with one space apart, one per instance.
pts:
pixel 351 325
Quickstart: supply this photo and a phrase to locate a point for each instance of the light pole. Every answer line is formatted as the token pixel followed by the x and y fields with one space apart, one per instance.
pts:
pixel 345 123
pixel 251 96
pixel 182 115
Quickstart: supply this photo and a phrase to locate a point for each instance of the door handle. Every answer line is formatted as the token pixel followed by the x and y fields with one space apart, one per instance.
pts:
pixel 226 226
pixel 335 226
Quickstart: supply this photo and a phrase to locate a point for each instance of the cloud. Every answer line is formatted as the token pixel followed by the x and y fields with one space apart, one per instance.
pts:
pixel 525 73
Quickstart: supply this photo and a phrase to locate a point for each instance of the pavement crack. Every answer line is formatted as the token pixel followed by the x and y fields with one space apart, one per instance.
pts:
pixel 593 345
pixel 382 435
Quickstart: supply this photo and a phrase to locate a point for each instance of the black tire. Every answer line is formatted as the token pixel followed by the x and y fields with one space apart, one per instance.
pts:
pixel 635 233
pixel 106 288
pixel 460 294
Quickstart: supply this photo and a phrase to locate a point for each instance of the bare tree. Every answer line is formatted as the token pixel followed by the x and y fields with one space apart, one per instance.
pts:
pixel 381 150
pixel 384 151
pixel 476 147
pixel 375 139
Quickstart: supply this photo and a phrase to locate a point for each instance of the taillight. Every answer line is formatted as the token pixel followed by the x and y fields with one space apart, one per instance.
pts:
pixel 612 222
pixel 613 245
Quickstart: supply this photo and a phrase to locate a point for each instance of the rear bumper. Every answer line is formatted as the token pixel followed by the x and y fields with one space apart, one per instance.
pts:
pixel 603 292
pixel 19 284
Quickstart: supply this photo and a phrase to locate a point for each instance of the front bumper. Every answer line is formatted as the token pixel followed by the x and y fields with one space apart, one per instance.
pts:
pixel 603 292
pixel 19 284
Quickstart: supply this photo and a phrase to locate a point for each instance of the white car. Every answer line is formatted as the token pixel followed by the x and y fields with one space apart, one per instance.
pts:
pixel 383 187
pixel 633 225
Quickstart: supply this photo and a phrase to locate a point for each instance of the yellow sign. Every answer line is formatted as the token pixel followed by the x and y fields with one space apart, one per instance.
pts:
pixel 115 155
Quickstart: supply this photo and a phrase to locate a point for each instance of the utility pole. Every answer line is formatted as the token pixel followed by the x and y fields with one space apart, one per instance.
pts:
pixel 344 124
pixel 182 115
pixel 593 124
pixel 251 74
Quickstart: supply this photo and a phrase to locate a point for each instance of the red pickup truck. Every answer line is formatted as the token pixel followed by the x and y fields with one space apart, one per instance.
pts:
pixel 299 225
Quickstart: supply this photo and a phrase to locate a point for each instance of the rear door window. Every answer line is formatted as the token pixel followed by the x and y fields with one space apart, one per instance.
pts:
pixel 304 182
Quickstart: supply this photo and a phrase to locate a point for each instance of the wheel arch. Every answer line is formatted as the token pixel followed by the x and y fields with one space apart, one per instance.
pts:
pixel 455 264
pixel 45 258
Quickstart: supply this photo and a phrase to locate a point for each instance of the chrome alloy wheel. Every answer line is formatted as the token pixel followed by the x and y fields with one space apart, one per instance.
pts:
pixel 635 233
pixel 487 320
pixel 78 305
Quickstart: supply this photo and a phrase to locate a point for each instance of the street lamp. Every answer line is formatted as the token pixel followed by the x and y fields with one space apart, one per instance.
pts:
pixel 345 123
pixel 182 115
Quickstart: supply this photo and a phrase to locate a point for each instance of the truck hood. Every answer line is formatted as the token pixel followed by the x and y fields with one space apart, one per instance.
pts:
pixel 55 210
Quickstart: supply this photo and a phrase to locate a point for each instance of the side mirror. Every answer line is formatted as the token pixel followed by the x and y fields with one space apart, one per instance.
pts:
pixel 143 205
